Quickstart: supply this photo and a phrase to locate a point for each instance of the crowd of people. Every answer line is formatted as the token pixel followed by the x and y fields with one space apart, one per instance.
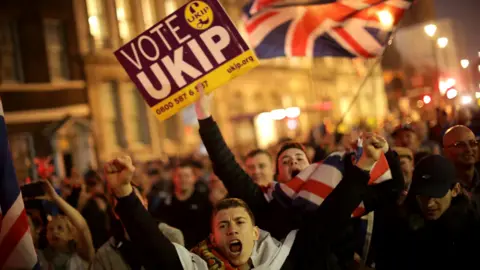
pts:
pixel 222 212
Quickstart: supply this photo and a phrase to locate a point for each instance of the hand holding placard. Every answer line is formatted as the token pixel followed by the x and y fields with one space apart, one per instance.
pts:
pixel 202 106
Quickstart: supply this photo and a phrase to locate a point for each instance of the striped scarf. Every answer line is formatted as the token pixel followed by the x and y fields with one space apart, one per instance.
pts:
pixel 310 187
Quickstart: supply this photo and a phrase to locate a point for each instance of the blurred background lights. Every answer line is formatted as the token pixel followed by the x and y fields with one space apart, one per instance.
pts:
pixel 452 93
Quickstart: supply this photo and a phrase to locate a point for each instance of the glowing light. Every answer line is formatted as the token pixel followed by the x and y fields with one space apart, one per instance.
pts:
pixel 292 124
pixel 385 18
pixel 451 82
pixel 452 93
pixel 466 100
pixel 427 99
pixel 94 26
pixel 265 130
pixel 430 29
pixel 464 63
pixel 292 112
pixel 278 114
pixel 120 13
pixel 477 95
pixel 442 42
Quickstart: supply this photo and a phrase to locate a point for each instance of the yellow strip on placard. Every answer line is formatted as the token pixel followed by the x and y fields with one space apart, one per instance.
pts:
pixel 188 95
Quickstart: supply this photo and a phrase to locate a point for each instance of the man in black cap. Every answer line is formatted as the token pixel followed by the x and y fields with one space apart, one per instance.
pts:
pixel 434 185
pixel 437 228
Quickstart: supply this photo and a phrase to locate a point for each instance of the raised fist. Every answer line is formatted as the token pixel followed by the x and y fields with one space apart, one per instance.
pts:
pixel 119 173
pixel 373 147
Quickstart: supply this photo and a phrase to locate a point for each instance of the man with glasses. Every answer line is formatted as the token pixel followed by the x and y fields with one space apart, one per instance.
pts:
pixel 461 148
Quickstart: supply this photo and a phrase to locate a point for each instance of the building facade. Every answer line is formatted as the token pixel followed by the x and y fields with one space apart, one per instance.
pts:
pixel 65 93
pixel 42 85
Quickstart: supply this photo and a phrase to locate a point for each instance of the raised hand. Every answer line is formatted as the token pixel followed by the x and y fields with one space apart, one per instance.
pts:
pixel 202 106
pixel 373 147
pixel 119 173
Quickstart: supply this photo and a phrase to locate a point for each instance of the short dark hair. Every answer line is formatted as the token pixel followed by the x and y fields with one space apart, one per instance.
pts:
pixel 232 203
pixel 257 152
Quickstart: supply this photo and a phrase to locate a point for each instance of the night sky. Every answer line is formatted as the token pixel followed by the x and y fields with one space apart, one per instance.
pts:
pixel 465 14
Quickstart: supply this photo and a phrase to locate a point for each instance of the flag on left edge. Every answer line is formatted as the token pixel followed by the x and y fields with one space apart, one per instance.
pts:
pixel 16 245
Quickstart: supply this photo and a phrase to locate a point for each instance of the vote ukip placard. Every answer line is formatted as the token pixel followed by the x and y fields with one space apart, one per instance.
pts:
pixel 198 43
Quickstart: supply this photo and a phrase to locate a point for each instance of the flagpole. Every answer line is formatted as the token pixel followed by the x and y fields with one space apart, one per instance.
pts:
pixel 360 88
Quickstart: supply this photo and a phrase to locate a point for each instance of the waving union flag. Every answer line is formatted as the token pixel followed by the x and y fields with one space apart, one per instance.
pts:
pixel 347 28
pixel 16 244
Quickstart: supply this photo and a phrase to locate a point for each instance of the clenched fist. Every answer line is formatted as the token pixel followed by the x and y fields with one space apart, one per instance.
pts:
pixel 373 147
pixel 119 174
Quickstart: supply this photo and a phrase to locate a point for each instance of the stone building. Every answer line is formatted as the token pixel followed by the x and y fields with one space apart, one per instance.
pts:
pixel 65 93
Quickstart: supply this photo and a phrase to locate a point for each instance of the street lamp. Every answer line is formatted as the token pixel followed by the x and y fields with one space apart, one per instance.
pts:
pixel 442 42
pixel 464 63
pixel 430 29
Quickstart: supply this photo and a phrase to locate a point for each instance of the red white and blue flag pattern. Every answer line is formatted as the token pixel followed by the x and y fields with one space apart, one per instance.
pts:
pixel 311 186
pixel 16 245
pixel 344 28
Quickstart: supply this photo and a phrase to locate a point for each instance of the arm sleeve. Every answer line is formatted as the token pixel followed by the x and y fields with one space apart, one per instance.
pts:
pixel 237 182
pixel 386 193
pixel 159 252
pixel 325 224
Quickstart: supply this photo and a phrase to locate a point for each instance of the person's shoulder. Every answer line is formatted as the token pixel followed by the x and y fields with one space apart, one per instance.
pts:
pixel 189 260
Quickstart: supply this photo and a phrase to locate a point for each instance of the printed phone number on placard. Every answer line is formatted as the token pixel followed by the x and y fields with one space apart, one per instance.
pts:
pixel 178 100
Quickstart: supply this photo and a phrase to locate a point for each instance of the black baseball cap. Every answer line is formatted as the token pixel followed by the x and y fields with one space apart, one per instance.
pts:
pixel 404 127
pixel 433 176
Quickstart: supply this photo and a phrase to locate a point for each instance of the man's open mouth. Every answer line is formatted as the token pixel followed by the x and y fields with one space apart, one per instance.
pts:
pixel 295 173
pixel 235 247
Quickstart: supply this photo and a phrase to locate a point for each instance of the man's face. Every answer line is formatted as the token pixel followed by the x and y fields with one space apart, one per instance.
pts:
pixel 462 148
pixel 407 169
pixel 260 169
pixel 184 178
pixel 433 208
pixel 407 139
pixel 291 162
pixel 234 235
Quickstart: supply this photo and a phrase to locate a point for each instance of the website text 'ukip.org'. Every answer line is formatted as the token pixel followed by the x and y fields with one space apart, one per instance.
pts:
pixel 237 66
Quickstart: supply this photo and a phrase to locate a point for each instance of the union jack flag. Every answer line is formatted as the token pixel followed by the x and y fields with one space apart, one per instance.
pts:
pixel 16 245
pixel 347 28
pixel 311 186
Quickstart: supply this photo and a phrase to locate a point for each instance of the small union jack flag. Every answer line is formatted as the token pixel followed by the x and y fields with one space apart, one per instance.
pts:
pixel 347 28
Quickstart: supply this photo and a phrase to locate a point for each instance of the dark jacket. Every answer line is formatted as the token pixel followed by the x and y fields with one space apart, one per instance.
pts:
pixel 272 216
pixel 410 242
pixel 310 250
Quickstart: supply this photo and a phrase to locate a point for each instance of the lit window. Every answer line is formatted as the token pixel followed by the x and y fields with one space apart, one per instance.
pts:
pixel 170 7
pixel 56 50
pixel 149 13
pixel 97 22
pixel 138 116
pixel 112 124
pixel 125 20
pixel 9 54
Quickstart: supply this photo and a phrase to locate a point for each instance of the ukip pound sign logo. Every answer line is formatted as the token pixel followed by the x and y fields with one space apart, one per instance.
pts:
pixel 199 15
